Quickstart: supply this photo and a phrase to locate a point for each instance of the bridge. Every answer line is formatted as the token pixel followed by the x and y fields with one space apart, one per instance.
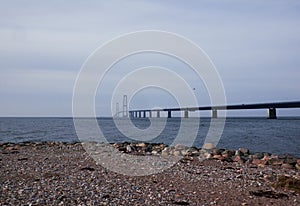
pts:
pixel 271 108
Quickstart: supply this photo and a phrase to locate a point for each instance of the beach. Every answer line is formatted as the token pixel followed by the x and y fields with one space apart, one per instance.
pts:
pixel 52 173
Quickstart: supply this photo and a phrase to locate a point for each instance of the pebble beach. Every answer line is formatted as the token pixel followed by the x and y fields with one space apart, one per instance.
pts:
pixel 55 173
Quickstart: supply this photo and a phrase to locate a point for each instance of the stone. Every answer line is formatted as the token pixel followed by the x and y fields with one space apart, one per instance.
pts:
pixel 274 161
pixel 217 156
pixel 128 148
pixel 287 166
pixel 230 153
pixel 177 153
pixel 140 144
pixel 266 156
pixel 10 148
pixel 208 146
pixel 259 162
pixel 183 152
pixel 208 155
pixel 165 153
pixel 258 155
pixel 239 159
pixel 217 151
pixel 244 151
pixel 297 166
pixel 290 160
pixel 180 147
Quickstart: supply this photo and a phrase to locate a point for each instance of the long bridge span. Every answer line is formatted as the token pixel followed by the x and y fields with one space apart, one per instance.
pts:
pixel 271 108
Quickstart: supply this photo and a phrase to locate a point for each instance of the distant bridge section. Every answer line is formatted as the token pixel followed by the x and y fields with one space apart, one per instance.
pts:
pixel 271 108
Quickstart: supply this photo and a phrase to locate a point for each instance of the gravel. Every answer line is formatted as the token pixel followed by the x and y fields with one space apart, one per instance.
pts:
pixel 65 174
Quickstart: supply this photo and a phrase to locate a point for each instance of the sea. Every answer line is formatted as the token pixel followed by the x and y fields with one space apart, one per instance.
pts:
pixel 258 134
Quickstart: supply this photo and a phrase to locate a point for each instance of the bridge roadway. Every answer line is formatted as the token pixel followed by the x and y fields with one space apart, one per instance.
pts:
pixel 271 107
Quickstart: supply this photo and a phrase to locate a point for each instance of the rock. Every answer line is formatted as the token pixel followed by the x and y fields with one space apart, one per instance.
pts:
pixel 266 156
pixel 239 159
pixel 165 152
pixel 208 155
pixel 297 166
pixel 259 162
pixel 192 152
pixel 128 148
pixel 177 153
pixel 217 151
pixel 274 162
pixel 140 144
pixel 10 148
pixel 183 152
pixel 180 147
pixel 208 146
pixel 154 152
pixel 258 155
pixel 230 153
pixel 287 166
pixel 244 151
pixel 216 156
pixel 290 160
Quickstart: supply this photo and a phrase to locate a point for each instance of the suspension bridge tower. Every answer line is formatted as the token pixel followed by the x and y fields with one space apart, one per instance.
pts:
pixel 125 106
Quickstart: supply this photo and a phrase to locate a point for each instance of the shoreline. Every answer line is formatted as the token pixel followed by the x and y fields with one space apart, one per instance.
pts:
pixel 56 173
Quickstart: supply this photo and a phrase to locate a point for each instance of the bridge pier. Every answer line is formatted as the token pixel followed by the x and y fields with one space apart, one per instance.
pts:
pixel 214 113
pixel 186 114
pixel 157 114
pixel 272 113
pixel 140 114
pixel 169 114
pixel 144 114
pixel 150 114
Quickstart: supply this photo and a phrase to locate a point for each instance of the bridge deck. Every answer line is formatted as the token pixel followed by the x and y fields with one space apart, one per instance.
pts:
pixel 294 104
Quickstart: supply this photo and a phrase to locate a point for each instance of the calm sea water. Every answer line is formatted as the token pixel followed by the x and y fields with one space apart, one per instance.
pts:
pixel 280 136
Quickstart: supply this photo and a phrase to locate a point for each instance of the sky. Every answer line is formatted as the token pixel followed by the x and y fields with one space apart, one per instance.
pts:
pixel 254 45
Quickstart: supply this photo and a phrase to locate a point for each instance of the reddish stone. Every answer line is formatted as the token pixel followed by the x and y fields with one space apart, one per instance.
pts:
pixel 9 148
pixel 266 157
pixel 287 166
pixel 238 159
pixel 259 162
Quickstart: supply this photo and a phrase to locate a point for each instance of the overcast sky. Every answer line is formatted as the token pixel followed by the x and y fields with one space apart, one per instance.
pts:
pixel 255 46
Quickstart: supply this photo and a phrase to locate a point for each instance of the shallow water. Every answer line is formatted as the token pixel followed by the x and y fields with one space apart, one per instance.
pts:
pixel 280 136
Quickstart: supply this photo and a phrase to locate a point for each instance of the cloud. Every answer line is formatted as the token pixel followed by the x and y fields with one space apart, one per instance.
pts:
pixel 254 44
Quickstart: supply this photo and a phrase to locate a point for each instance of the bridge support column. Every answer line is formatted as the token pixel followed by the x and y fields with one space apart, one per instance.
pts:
pixel 272 113
pixel 214 113
pixel 169 114
pixel 157 114
pixel 150 114
pixel 186 114
pixel 140 114
pixel 144 115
